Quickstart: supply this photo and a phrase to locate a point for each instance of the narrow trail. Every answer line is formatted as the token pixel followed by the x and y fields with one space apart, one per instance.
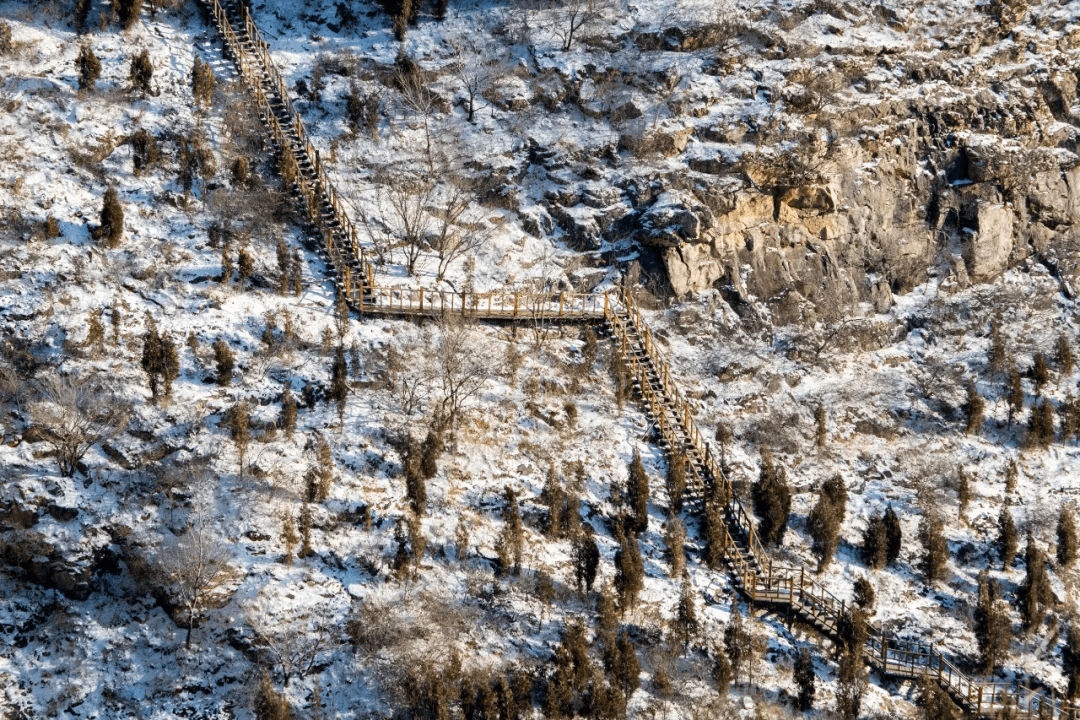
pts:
pixel 789 590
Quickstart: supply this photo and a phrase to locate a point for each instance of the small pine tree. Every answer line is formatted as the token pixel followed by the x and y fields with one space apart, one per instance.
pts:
pixel 996 356
pixel 323 469
pixel 511 542
pixel 283 262
pixel 144 151
pixel 1007 540
pixel 269 703
pixel 1011 473
pixel 675 539
pixel 721 671
pixel 685 624
pixel 432 449
pixel 804 679
pixel 339 384
pixel 935 549
pixel 1066 537
pixel 1040 373
pixel 820 419
pixel 586 561
pixel 415 484
pixel 245 267
pixel 825 520
pixel 1034 594
pixel 554 497
pixel 637 495
pixel 223 359
pixel 141 72
pixel 1065 358
pixel 305 532
pixel 772 500
pixel 288 536
pixel 129 13
pixel 973 408
pixel 240 171
pixel 991 624
pixel 723 439
pixel 864 594
pixel 737 644
pixel 161 361
pixel 239 422
pixel 626 669
pixel 202 83
pixel 112 220
pixel 1014 393
pixel 629 572
pixel 117 320
pixel 461 539
pixel 894 536
pixel 95 334
pixel 963 492
pixel 82 15
pixel 297 281
pixel 875 544
pixel 714 530
pixel 226 264
pixel 850 685
pixel 1070 658
pixel 288 410
pixel 676 481
pixel 89 68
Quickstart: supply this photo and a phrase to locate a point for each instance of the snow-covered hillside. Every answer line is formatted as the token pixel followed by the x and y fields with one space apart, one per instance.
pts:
pixel 591 162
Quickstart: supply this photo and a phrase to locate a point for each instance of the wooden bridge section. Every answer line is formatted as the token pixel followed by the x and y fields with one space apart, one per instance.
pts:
pixel 791 589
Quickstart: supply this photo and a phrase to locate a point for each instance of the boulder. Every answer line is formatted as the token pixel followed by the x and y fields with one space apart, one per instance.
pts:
pixel 987 246
pixel 691 267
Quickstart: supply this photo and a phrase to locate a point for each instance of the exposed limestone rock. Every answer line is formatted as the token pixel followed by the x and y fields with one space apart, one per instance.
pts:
pixel 987 247
pixel 691 267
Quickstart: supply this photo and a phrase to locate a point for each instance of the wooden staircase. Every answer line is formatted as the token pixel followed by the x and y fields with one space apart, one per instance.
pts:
pixel 792 590
pixel 312 189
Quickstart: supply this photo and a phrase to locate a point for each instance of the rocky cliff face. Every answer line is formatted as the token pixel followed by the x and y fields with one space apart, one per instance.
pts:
pixel 886 209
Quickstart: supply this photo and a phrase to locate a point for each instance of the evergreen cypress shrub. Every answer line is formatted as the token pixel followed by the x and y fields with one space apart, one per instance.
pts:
pixel 89 68
pixel 112 220
pixel 141 72
pixel 772 500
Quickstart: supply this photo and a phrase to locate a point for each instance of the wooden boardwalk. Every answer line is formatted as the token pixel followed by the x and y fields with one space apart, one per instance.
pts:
pixel 791 589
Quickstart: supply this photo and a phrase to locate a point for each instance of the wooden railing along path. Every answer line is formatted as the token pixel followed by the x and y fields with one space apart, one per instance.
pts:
pixel 339 241
pixel 756 576
pixel 793 588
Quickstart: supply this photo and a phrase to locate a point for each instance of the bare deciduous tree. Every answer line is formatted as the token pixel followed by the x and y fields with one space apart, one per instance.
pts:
pixel 457 232
pixel 465 365
pixel 573 17
pixel 195 568
pixel 473 70
pixel 77 413
pixel 404 198
pixel 294 645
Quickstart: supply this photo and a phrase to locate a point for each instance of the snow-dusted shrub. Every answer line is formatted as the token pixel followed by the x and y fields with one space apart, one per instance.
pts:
pixel 202 83
pixel 141 71
pixel 7 45
pixel 89 67
pixel 144 151
pixel 112 220
pixel 223 359
pixel 129 11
